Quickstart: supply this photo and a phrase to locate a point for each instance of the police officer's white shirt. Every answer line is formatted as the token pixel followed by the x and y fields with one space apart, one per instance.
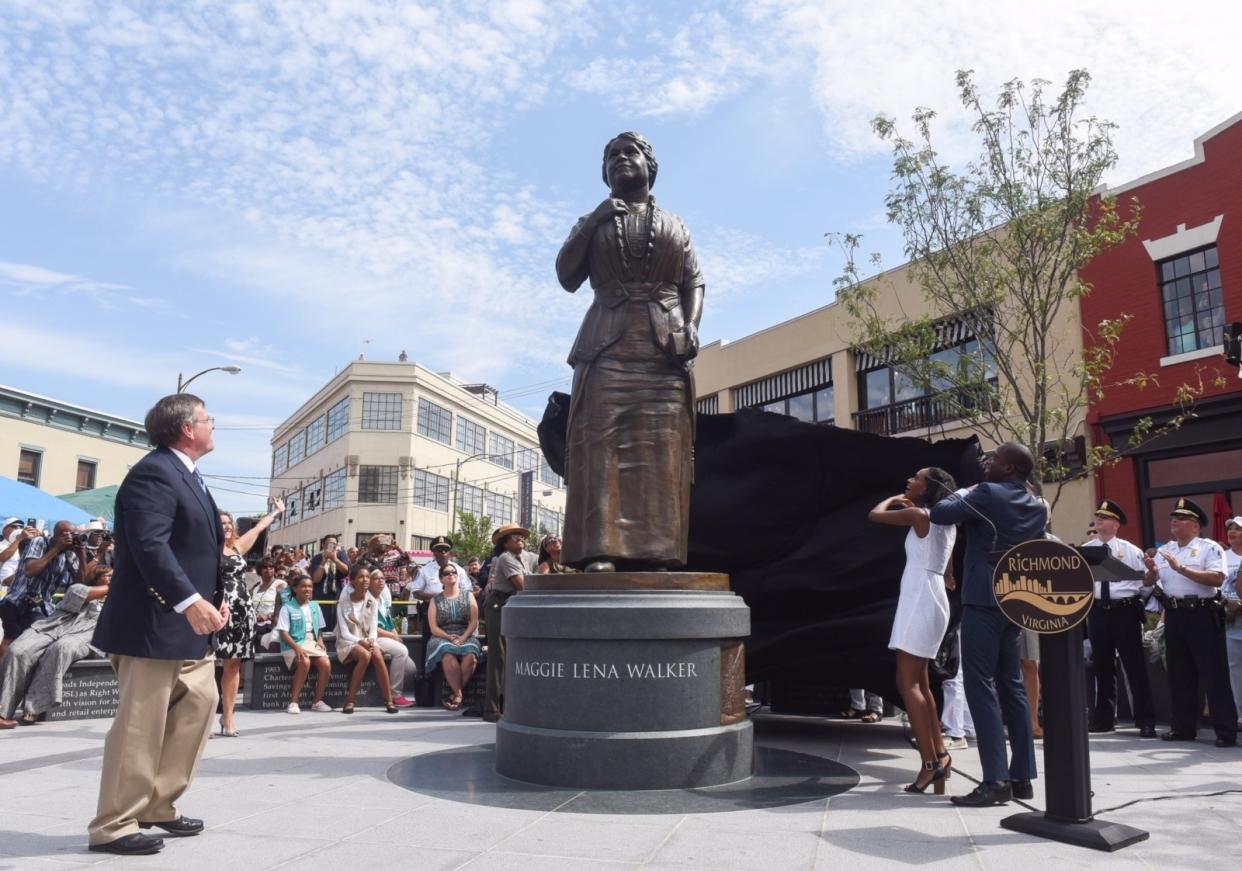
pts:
pixel 1201 554
pixel 1127 553
pixel 428 579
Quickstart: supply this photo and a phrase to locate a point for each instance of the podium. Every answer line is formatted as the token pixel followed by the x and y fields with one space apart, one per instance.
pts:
pixel 1068 817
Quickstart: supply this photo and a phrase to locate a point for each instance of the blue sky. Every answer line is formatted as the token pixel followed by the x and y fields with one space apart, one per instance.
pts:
pixel 286 185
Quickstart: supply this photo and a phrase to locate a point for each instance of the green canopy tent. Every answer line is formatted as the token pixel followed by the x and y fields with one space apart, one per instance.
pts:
pixel 100 502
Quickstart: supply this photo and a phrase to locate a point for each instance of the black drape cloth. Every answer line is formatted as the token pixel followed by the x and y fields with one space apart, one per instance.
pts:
pixel 781 506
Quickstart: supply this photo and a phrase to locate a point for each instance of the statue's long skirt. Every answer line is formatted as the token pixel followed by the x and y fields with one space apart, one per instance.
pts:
pixel 629 462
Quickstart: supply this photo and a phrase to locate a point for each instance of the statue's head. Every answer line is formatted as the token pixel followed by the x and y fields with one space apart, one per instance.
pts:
pixel 626 151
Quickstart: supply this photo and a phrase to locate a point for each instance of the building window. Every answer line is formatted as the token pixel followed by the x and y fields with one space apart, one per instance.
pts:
pixel 86 475
pixel 297 448
pixel 377 485
pixel 469 499
pixel 280 460
pixel 547 476
pixel 499 508
pixel 549 521
pixel 315 435
pixel 500 450
pixel 29 463
pixel 814 406
pixel 527 460
pixel 334 490
pixel 338 420
pixel 381 411
pixel 471 437
pixel 293 508
pixel 891 401
pixel 312 499
pixel 431 490
pixel 1194 304
pixel 435 422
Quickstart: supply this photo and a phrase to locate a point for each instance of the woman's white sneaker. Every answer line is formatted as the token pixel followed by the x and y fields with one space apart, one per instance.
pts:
pixel 322 707
pixel 293 708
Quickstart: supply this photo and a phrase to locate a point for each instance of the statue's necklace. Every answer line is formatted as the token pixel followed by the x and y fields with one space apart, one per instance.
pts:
pixel 646 252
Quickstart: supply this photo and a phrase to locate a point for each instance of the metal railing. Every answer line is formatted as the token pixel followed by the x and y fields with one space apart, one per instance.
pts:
pixel 924 411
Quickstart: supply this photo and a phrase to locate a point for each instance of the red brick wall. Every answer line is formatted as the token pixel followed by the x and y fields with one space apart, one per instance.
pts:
pixel 1124 279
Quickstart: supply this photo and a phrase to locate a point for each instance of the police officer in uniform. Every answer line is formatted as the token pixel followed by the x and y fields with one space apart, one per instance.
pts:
pixel 1191 570
pixel 1115 626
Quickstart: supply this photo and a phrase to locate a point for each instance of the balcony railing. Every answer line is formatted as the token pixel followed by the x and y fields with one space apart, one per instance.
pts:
pixel 923 411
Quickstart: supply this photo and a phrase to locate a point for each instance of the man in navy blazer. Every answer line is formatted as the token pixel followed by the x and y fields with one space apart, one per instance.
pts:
pixel 155 627
pixel 996 515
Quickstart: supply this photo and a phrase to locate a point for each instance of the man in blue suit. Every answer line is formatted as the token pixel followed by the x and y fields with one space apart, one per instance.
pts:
pixel 156 627
pixel 997 514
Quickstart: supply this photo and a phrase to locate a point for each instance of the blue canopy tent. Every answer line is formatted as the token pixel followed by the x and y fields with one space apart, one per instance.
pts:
pixel 24 501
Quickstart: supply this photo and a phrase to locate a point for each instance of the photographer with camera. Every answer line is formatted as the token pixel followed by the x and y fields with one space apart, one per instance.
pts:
pixel 48 566
pixel 329 571
pixel 12 542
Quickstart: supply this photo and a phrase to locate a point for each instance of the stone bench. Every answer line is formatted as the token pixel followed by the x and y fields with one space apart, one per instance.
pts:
pixel 90 692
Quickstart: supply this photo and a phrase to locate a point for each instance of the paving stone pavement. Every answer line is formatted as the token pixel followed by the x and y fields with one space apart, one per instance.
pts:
pixel 309 792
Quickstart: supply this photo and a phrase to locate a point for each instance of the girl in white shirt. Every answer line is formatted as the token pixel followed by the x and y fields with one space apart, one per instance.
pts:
pixel 357 624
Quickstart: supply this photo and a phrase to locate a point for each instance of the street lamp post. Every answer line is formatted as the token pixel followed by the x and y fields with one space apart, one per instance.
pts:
pixel 453 491
pixel 182 385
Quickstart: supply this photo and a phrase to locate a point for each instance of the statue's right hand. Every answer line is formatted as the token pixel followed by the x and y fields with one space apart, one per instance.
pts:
pixel 607 210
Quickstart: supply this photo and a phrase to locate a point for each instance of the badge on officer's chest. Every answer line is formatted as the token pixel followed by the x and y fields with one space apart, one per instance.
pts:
pixel 1194 551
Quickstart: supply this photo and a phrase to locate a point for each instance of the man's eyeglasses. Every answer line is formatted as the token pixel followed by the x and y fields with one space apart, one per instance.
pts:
pixel 207 420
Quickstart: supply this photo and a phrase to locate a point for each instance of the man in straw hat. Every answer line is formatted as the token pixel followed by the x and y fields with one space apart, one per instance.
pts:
pixel 510 566
pixel 1191 570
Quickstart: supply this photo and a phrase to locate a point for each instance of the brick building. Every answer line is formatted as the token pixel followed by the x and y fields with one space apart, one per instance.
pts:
pixel 1181 279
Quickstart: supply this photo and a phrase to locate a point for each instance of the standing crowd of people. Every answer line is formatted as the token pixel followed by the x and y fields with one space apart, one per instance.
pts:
pixel 1188 584
pixel 163 612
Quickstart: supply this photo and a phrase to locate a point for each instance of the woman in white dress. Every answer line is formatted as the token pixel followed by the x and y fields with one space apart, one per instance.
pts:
pixel 922 612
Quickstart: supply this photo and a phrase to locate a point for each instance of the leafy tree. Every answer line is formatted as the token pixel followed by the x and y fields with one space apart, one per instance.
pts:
pixel 998 245
pixel 473 537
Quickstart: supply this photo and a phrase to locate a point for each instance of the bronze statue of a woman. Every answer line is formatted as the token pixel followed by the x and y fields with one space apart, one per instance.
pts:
pixel 628 461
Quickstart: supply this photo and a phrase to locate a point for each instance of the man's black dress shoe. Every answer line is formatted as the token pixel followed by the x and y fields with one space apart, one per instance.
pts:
pixel 181 827
pixel 1100 727
pixel 1147 731
pixel 136 844
pixel 1177 736
pixel 491 718
pixel 984 796
pixel 1022 789
pixel 472 711
pixel 1226 742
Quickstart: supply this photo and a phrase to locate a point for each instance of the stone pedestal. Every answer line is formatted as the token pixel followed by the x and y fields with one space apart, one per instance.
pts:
pixel 625 680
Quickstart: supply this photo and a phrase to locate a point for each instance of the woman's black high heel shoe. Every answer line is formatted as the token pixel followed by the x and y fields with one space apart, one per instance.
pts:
pixel 947 766
pixel 937 779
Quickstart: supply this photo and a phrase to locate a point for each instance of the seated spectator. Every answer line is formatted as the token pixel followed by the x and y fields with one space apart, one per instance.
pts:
pixel 389 641
pixel 300 625
pixel 267 599
pixel 550 557
pixel 12 542
pixel 34 670
pixel 864 706
pixel 453 618
pixel 48 566
pixel 357 628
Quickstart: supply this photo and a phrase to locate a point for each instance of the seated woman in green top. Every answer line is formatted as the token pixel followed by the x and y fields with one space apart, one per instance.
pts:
pixel 453 619
pixel 299 625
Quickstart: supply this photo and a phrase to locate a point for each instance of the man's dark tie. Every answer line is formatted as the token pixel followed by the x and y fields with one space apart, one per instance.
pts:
pixel 199 478
pixel 1106 594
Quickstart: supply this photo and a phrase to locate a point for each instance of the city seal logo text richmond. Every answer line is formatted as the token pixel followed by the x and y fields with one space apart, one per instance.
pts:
pixel 1044 586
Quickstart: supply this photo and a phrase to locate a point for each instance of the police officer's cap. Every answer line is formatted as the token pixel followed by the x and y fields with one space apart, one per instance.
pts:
pixel 1109 508
pixel 442 541
pixel 1189 508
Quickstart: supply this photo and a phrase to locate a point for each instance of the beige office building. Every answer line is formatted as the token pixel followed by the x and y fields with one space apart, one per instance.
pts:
pixel 62 448
pixel 806 367
pixel 378 448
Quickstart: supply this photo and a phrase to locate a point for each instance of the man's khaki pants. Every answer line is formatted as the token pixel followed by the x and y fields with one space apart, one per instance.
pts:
pixel 162 724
